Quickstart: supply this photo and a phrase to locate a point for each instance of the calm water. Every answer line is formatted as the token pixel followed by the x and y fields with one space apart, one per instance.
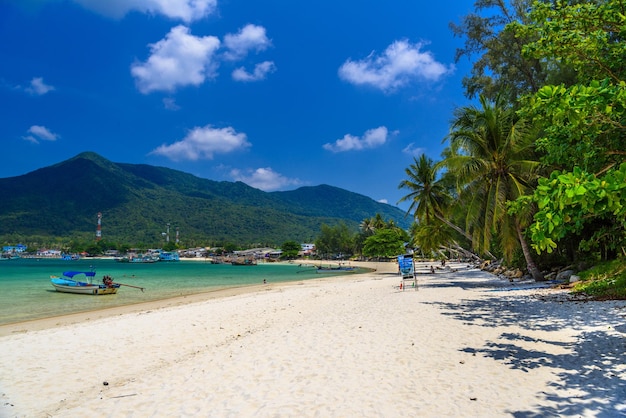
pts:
pixel 26 292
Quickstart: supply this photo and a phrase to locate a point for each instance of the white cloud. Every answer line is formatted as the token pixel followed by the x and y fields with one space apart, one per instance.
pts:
pixel 185 10
pixel 264 179
pixel 38 87
pixel 37 133
pixel 260 72
pixel 411 149
pixel 204 143
pixel 249 38
pixel 383 201
pixel 400 64
pixel 180 59
pixel 371 139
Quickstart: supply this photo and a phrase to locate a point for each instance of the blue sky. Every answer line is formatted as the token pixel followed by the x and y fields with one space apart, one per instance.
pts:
pixel 278 94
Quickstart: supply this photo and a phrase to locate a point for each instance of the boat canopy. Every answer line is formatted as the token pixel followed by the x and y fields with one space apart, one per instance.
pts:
pixel 75 273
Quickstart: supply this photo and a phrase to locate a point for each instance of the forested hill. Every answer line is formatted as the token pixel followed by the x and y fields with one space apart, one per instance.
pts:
pixel 137 201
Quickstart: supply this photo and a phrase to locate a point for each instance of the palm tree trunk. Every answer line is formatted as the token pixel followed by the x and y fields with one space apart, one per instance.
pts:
pixel 530 263
pixel 467 254
pixel 461 231
pixel 453 226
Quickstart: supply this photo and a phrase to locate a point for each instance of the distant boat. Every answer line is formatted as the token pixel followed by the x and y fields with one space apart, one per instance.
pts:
pixel 168 256
pixel 321 269
pixel 70 257
pixel 69 283
pixel 244 262
pixel 137 259
pixel 9 256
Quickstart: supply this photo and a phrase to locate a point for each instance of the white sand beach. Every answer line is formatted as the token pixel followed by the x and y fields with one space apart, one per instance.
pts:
pixel 465 344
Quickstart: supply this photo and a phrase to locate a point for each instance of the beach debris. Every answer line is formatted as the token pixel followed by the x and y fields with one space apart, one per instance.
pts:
pixel 473 399
pixel 105 383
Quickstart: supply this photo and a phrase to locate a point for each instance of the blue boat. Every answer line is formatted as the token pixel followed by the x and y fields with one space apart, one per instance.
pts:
pixel 70 257
pixel 168 256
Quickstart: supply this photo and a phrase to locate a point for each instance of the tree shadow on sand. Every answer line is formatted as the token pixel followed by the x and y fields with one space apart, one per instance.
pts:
pixel 590 372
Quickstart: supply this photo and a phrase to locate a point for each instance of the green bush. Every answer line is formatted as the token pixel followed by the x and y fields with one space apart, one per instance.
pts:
pixel 604 281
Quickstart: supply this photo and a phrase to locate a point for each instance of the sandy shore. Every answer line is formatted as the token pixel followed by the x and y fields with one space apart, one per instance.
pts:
pixel 463 344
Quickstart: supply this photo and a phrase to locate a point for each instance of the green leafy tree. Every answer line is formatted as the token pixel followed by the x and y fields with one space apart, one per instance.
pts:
pixel 492 157
pixel 567 201
pixel 500 67
pixel 386 242
pixel 290 249
pixel 334 240
pixel 584 124
pixel 170 246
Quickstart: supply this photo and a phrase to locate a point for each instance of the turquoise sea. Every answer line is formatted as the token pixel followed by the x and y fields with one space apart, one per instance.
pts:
pixel 26 292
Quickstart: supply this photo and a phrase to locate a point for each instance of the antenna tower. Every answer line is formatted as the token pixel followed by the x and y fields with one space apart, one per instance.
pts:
pixel 99 227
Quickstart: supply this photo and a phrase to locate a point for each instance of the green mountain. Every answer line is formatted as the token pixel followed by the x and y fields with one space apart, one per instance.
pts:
pixel 138 201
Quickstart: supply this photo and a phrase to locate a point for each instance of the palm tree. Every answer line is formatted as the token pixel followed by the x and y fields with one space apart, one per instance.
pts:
pixel 367 226
pixel 429 196
pixel 492 157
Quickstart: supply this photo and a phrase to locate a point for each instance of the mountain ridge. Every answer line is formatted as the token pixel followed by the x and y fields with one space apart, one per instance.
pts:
pixel 137 201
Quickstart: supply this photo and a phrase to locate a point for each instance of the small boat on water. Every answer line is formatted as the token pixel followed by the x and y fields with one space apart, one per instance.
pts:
pixel 70 257
pixel 69 283
pixel 243 262
pixel 141 258
pixel 321 269
pixel 168 256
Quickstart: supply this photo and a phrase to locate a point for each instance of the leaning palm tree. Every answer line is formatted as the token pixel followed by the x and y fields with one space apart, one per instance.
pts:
pixel 492 157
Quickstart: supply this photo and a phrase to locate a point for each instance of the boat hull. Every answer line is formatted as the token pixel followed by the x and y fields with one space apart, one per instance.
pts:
pixel 81 288
pixel 332 269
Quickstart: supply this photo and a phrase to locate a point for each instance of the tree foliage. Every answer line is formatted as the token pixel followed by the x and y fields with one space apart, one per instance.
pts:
pixel 584 124
pixel 492 158
pixel 500 68
pixel 560 64
pixel 428 196
pixel 290 249
pixel 568 200
pixel 387 242
pixel 335 240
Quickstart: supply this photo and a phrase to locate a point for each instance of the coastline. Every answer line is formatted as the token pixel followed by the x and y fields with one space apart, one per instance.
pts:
pixel 340 346
pixel 79 317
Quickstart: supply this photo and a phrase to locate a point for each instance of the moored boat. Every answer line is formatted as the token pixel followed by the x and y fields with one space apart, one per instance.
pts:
pixel 244 262
pixel 168 256
pixel 69 283
pixel 70 257
pixel 140 258
pixel 321 269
